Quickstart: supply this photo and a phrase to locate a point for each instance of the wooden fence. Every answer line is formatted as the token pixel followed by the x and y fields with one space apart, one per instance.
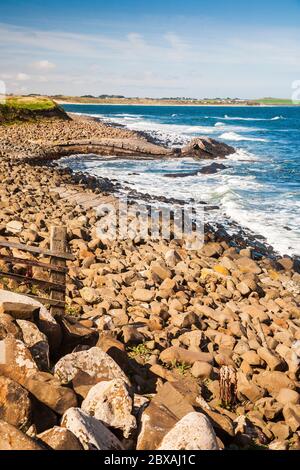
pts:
pixel 57 268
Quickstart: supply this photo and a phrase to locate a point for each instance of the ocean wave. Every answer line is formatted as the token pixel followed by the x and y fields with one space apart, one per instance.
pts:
pixel 238 118
pixel 242 155
pixel 237 137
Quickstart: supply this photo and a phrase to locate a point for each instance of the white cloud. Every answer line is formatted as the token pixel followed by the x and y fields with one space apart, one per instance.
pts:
pixel 44 65
pixel 22 77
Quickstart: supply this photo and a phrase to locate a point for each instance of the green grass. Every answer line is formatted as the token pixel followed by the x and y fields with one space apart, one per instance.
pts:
pixel 181 367
pixel 33 104
pixel 274 101
pixel 140 350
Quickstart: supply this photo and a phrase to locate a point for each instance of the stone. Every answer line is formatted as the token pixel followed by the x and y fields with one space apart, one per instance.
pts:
pixel 273 362
pixel 12 438
pixel 243 288
pixel 14 227
pixel 164 410
pixel 143 295
pixel 212 249
pixel 94 362
pixel 205 147
pixel 273 381
pixel 280 430
pixel 248 389
pixel 252 358
pixel 89 294
pixel 59 438
pixel 247 265
pixel 91 432
pixel 20 367
pixel 8 326
pixel 15 404
pixel 202 370
pixel 176 354
pixel 159 272
pixel 36 342
pixel 192 432
pixel 18 310
pixel 45 321
pixel 291 414
pixel 268 407
pixel 75 334
pixel 287 396
pixel 184 320
pixel 110 402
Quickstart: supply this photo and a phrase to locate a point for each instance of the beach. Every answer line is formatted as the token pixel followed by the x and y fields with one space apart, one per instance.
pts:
pixel 170 336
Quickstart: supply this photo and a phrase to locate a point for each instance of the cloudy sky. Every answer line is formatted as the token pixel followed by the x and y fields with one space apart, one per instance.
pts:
pixel 195 48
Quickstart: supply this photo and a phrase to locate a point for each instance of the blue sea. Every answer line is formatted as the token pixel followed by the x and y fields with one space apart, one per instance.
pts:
pixel 260 187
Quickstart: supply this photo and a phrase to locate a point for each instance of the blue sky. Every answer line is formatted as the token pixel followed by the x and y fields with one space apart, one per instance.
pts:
pixel 193 48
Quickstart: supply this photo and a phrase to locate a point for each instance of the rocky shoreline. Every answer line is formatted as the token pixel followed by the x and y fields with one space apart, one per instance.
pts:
pixel 160 347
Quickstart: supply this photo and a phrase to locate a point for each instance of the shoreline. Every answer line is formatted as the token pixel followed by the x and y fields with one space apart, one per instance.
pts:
pixel 168 322
pixel 44 157
pixel 183 105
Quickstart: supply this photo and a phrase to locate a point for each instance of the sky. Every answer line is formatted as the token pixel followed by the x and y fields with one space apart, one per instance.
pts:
pixel 157 48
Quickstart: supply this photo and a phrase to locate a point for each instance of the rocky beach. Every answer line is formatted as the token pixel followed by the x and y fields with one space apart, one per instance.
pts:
pixel 160 347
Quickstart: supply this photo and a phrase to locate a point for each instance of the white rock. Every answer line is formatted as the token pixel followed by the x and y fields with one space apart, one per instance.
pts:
pixel 36 342
pixel 94 362
pixel 91 433
pixel 111 402
pixel 192 432
pixel 14 226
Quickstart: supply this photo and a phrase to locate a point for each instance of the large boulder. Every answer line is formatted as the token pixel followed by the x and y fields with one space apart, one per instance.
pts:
pixel 60 439
pixel 164 411
pixel 12 438
pixel 91 432
pixel 205 147
pixel 93 362
pixel 45 321
pixel 111 403
pixel 192 432
pixel 15 404
pixel 20 367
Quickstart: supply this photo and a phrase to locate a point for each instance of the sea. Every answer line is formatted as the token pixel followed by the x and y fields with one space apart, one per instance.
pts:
pixel 260 187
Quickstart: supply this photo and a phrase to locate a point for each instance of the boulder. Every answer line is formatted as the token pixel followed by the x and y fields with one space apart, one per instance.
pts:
pixel 291 414
pixel 45 321
pixel 272 361
pixel 166 408
pixel 59 438
pixel 176 354
pixel 94 362
pixel 287 396
pixel 91 432
pixel 111 403
pixel 18 310
pixel 273 381
pixel 143 295
pixel 37 343
pixel 205 147
pixel 192 432
pixel 202 370
pixel 15 404
pixel 20 367
pixel 12 438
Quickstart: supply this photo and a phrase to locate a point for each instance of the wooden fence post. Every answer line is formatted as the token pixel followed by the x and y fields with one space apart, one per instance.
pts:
pixel 58 243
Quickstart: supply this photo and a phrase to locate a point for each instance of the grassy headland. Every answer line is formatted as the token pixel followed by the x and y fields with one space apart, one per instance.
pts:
pixel 25 108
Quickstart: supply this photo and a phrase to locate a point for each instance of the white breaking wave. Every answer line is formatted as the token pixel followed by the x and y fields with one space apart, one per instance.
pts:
pixel 237 118
pixel 237 137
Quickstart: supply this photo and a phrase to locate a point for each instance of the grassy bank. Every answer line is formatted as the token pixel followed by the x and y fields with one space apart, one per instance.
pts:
pixel 18 109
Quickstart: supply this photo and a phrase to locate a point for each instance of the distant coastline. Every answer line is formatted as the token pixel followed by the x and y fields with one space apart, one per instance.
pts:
pixel 218 102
